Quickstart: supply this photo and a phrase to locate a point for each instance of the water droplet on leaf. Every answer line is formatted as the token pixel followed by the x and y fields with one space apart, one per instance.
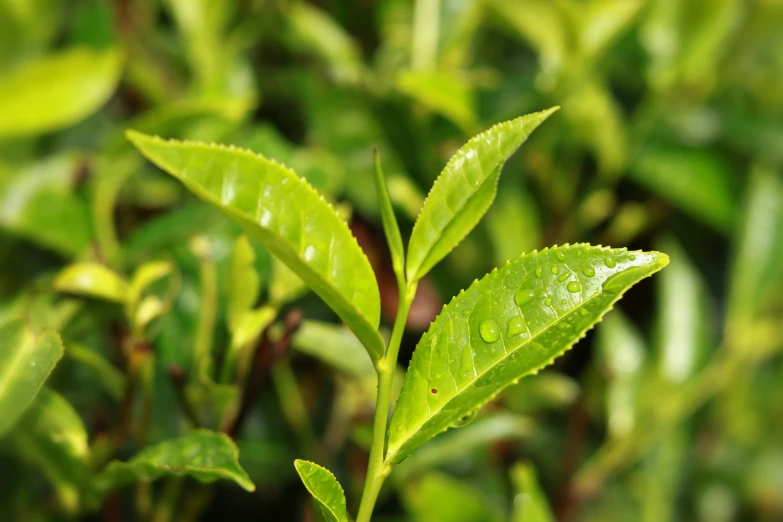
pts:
pixel 588 270
pixel 489 331
pixel 573 287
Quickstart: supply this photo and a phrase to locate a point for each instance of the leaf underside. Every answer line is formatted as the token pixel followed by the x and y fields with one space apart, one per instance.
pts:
pixel 464 192
pixel 204 455
pixel 284 213
pixel 511 323
pixel 325 489
pixel 26 360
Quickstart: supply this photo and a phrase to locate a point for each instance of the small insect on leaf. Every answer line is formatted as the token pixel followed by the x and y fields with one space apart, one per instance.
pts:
pixel 511 323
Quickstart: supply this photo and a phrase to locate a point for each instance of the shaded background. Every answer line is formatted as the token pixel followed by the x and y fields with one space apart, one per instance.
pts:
pixel 670 137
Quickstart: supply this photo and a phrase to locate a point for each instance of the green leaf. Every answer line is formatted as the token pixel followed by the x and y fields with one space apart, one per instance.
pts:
pixel 440 498
pixel 204 455
pixel 464 191
pixel 325 490
pixel 530 503
pixel 26 360
pixel 442 92
pixel 511 323
pixel 695 181
pixel 623 351
pixel 92 280
pixel 390 226
pixel 56 91
pixel 683 316
pixel 287 216
pixel 143 277
pixel 334 345
pixel 244 282
pixel 51 434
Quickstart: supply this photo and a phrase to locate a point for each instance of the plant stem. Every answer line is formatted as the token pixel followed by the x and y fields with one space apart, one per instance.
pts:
pixel 377 470
pixel 426 29
pixel 208 312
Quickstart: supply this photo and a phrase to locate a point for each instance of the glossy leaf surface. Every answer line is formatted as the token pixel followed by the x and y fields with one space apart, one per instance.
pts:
pixel 55 91
pixel 51 434
pixel 287 216
pixel 26 360
pixel 204 455
pixel 464 191
pixel 92 280
pixel 513 322
pixel 325 489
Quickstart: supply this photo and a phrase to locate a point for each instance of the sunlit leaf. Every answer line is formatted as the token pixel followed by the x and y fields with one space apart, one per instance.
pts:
pixel 51 434
pixel 325 489
pixel 204 455
pixel 511 323
pixel 464 191
pixel 530 503
pixel 287 216
pixel 92 280
pixel 32 102
pixel 693 180
pixel 26 360
pixel 441 92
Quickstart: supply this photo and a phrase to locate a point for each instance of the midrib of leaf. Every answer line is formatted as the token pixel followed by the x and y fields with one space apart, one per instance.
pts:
pixel 532 340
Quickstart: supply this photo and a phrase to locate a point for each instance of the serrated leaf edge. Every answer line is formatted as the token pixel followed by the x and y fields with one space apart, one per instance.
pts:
pixel 312 493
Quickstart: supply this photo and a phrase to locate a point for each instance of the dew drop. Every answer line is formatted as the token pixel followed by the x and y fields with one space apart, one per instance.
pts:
pixel 539 272
pixel 555 269
pixel 563 301
pixel 632 257
pixel 516 326
pixel 582 312
pixel 573 287
pixel 610 263
pixel 489 331
pixel 524 296
pixel 563 277
pixel 588 270
pixel 548 301
pixel 560 254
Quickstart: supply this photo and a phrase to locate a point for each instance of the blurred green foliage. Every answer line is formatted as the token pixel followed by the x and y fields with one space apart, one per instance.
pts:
pixel 670 137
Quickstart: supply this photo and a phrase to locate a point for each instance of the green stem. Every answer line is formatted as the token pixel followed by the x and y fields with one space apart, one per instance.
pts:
pixel 208 313
pixel 426 29
pixel 377 470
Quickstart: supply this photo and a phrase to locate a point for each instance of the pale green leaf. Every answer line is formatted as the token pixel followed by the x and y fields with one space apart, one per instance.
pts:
pixel 26 360
pixel 623 351
pixel 325 489
pixel 51 434
pixel 693 180
pixel 335 345
pixel 683 316
pixel 202 454
pixel 511 323
pixel 287 216
pixel 56 91
pixel 530 503
pixel 151 307
pixel 143 277
pixel 464 191
pixel 390 226
pixel 602 21
pixel 436 497
pixel 92 280
pixel 441 92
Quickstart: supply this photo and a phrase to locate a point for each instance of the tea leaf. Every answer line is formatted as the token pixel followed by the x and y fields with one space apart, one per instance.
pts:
pixel 464 191
pixel 56 91
pixel 513 322
pixel 530 503
pixel 325 490
pixel 204 455
pixel 437 497
pixel 51 434
pixel 92 280
pixel 287 216
pixel 26 360
pixel 334 345
pixel 390 226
